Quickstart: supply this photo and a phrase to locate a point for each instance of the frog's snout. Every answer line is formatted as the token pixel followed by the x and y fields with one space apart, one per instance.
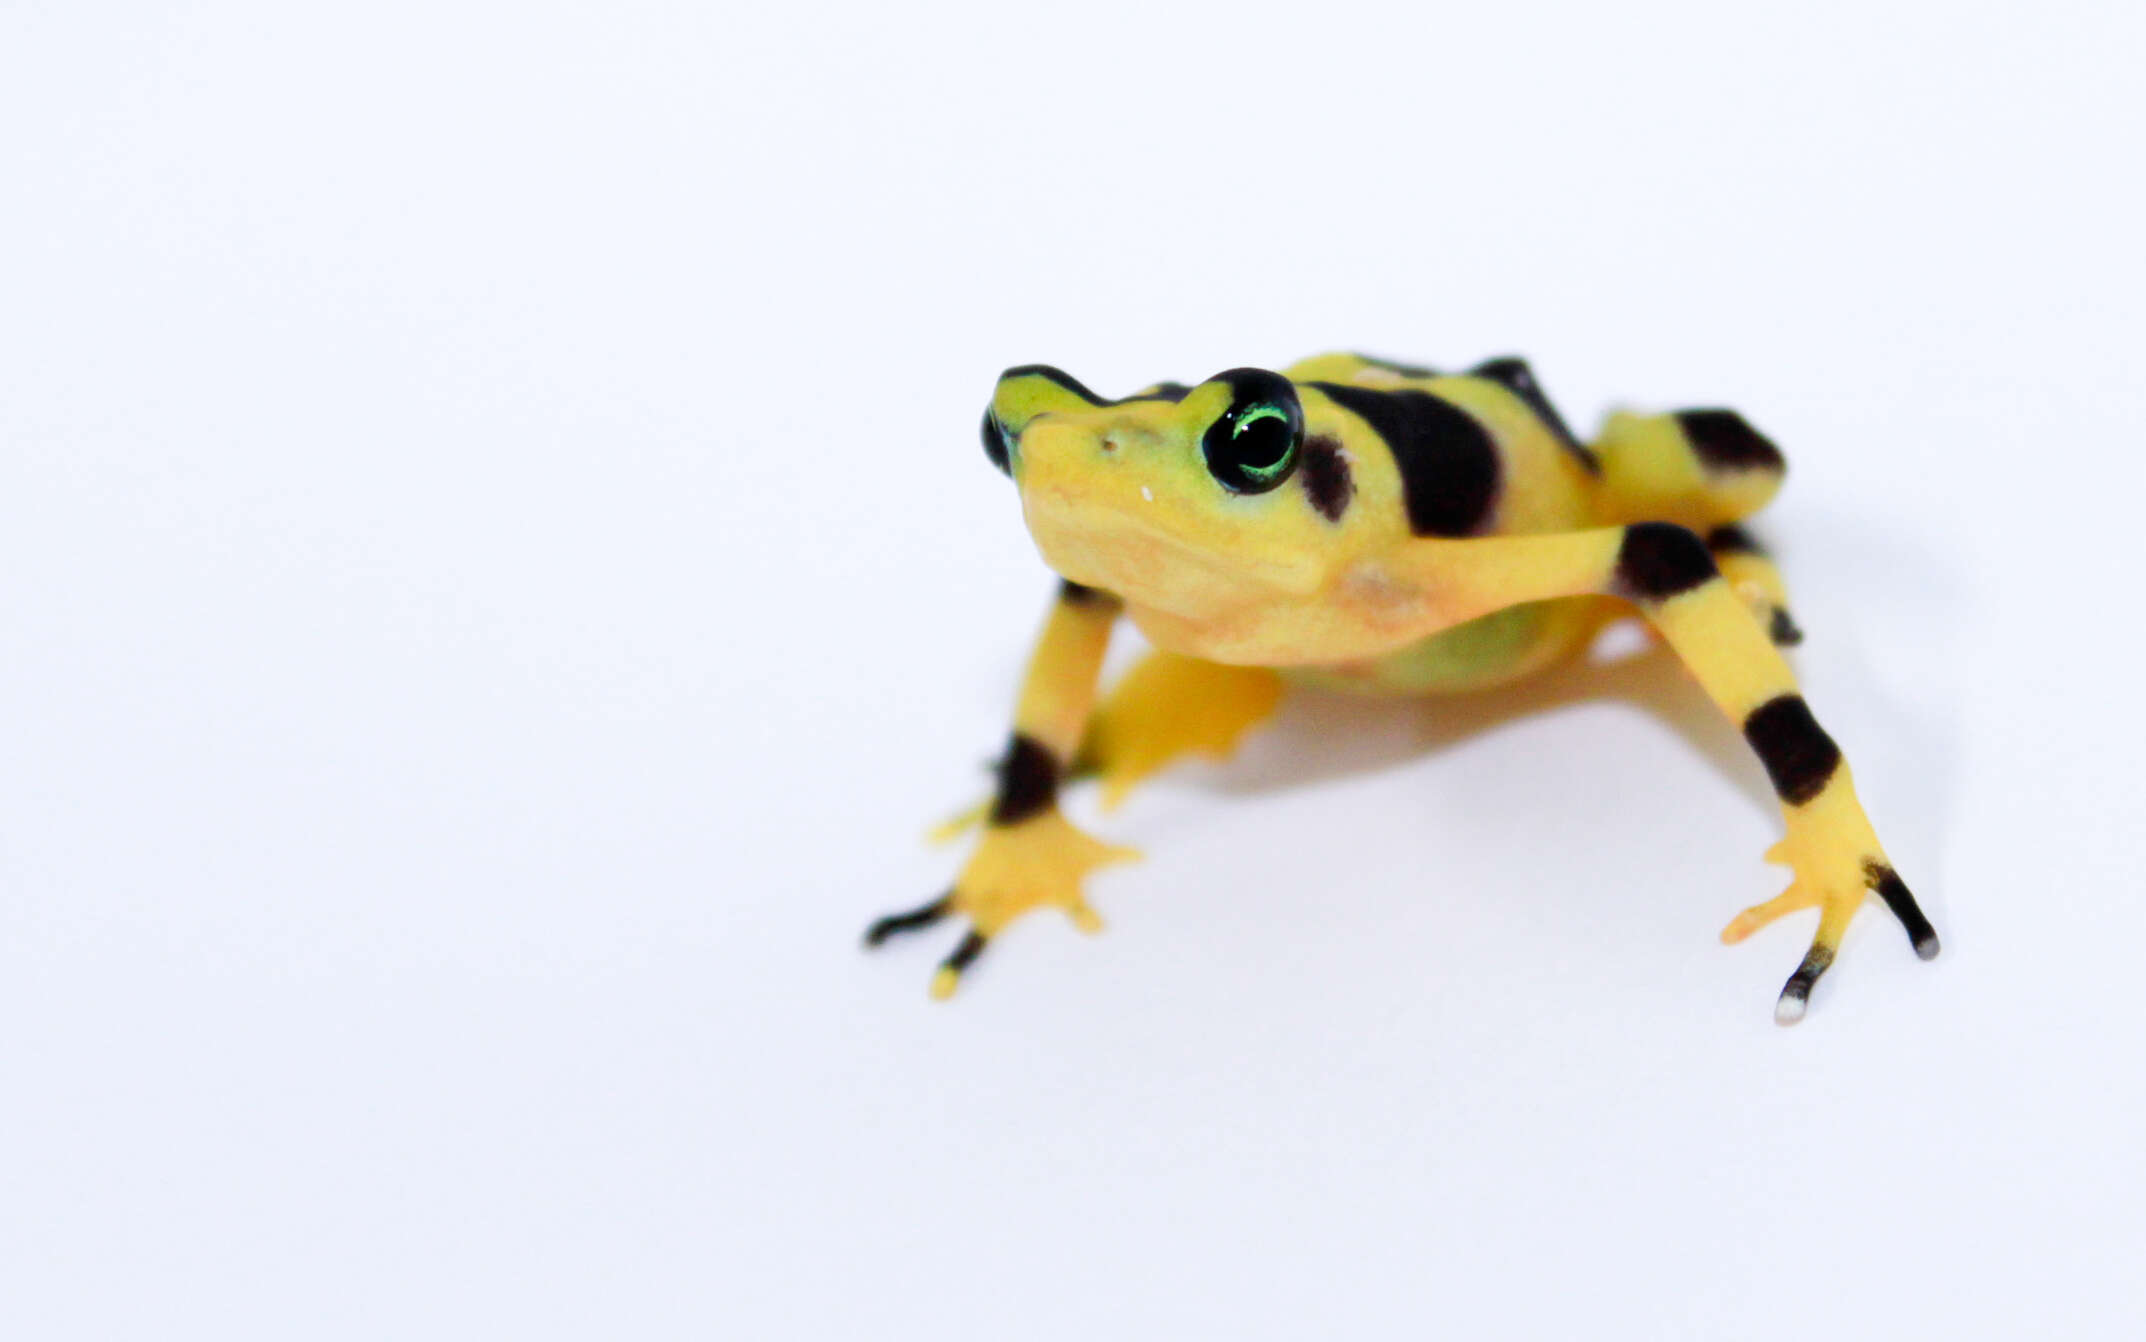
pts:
pixel 1054 443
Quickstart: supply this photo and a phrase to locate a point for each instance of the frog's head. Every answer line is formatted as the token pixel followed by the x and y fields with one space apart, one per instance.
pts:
pixel 1177 497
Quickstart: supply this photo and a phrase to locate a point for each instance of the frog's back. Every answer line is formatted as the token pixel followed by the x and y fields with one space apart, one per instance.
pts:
pixel 1544 475
pixel 1703 469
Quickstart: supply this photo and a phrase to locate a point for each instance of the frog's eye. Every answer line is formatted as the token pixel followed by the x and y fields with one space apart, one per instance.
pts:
pixel 1252 448
pixel 995 444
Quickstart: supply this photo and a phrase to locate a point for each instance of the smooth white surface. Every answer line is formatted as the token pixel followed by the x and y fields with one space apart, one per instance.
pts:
pixel 498 574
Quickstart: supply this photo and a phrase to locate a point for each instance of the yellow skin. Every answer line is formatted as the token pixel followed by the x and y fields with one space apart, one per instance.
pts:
pixel 1377 526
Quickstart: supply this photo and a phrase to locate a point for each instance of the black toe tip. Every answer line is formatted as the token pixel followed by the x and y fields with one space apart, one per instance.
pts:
pixel 1927 947
pixel 886 927
pixel 1785 632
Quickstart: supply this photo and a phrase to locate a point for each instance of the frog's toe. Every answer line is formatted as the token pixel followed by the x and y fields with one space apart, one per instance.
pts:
pixel 1758 915
pixel 948 976
pixel 958 824
pixel 914 920
pixel 1837 901
pixel 1835 912
pixel 1795 998
pixel 1894 891
pixel 946 979
pixel 1039 862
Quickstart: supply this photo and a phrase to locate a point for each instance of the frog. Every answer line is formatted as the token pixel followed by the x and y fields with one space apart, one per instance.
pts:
pixel 1364 524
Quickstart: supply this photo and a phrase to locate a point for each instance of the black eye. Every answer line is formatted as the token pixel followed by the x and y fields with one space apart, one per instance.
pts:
pixel 1253 447
pixel 995 443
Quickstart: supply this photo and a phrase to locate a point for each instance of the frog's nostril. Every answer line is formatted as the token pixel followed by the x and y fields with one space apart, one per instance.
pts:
pixel 1110 443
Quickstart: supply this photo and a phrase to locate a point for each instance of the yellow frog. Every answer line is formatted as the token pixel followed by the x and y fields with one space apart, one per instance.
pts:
pixel 1353 521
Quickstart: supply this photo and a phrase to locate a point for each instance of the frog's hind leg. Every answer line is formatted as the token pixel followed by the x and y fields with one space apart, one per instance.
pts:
pixel 1750 570
pixel 1169 706
pixel 1705 470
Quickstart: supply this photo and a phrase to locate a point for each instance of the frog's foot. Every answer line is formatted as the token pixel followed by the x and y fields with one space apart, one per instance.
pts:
pixel 1836 889
pixel 1169 706
pixel 1032 864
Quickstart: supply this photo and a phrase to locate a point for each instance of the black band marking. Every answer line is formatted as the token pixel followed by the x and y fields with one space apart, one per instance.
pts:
pixel 1733 540
pixel 1404 369
pixel 1797 753
pixel 1660 559
pixel 1027 781
pixel 1724 442
pixel 1449 465
pixel 1161 391
pixel 1326 477
pixel 1516 377
pixel 1065 381
pixel 1894 892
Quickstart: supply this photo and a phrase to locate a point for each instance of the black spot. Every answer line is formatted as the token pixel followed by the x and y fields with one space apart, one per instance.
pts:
pixel 1027 781
pixel 1163 391
pixel 1784 631
pixel 1326 477
pixel 1733 540
pixel 1073 594
pixel 1724 442
pixel 1894 892
pixel 1660 559
pixel 1404 369
pixel 1448 463
pixel 1516 377
pixel 995 445
pixel 1797 753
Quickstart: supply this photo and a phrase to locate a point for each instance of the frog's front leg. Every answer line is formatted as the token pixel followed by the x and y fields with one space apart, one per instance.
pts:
pixel 1031 856
pixel 1669 574
pixel 1167 707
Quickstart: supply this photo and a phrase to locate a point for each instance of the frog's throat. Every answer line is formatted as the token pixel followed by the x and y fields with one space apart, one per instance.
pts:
pixel 1149 563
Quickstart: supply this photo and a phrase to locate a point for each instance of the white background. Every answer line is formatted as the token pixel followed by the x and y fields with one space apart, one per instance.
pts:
pixel 496 573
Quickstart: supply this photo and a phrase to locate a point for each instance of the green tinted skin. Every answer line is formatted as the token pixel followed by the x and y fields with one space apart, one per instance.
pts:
pixel 1486 651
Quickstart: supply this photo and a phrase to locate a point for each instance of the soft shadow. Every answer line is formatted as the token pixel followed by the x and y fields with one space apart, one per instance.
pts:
pixel 1321 734
pixel 1922 604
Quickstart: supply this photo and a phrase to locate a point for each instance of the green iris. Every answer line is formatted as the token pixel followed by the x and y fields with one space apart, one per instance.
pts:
pixel 1252 448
